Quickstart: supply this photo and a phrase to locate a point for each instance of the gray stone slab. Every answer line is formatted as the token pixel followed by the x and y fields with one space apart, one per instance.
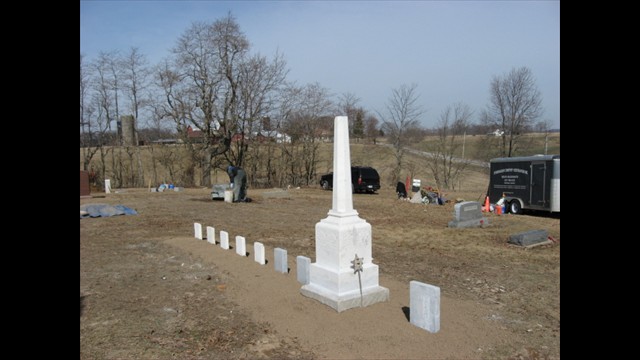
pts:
pixel 424 311
pixel 224 240
pixel 280 260
pixel 303 263
pixel 217 190
pixel 211 235
pixel 258 251
pixel 467 210
pixel 241 245
pixel 529 237
pixel 197 228
pixel 177 188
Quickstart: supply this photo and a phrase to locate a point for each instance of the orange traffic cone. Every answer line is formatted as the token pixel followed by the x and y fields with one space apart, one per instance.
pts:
pixel 487 206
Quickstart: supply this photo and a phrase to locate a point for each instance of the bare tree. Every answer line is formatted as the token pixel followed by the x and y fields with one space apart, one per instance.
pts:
pixel 86 112
pixel 371 130
pixel 309 119
pixel 515 104
pixel 135 77
pixel 200 87
pixel 401 118
pixel 98 122
pixel 348 106
pixel 447 162
pixel 261 83
pixel 104 100
pixel 545 128
pixel 213 85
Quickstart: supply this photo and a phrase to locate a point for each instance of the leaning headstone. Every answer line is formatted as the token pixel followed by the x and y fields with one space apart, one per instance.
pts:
pixel 468 214
pixel 241 245
pixel 529 237
pixel 258 251
pixel 280 260
pixel 197 228
pixel 302 263
pixel 211 235
pixel 224 240
pixel 424 302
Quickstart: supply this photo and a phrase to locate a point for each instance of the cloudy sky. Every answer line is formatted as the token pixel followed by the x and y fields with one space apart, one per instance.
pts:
pixel 449 49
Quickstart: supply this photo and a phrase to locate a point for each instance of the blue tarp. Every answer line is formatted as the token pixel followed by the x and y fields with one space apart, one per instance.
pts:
pixel 97 210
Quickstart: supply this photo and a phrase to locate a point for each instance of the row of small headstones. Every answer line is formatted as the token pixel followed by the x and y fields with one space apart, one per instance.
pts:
pixel 280 255
pixel 424 299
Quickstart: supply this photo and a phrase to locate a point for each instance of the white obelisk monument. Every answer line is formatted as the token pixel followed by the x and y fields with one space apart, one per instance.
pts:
pixel 343 276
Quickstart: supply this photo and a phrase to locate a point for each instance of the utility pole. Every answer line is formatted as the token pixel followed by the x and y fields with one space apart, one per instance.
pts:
pixel 546 141
pixel 464 136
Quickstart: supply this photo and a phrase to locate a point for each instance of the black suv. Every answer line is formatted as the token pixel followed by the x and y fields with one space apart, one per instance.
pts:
pixel 363 179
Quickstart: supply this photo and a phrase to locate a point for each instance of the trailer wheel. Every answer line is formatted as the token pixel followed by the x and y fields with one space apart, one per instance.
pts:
pixel 325 185
pixel 515 207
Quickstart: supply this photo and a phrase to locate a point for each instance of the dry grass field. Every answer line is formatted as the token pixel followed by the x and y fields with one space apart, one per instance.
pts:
pixel 166 163
pixel 150 290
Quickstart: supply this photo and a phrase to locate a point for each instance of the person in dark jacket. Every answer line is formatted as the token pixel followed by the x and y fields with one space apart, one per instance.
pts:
pixel 238 180
pixel 401 190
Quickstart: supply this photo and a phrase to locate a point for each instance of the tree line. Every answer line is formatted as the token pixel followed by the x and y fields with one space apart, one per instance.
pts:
pixel 245 112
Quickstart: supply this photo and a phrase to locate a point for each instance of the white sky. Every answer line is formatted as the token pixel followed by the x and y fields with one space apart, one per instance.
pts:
pixel 450 49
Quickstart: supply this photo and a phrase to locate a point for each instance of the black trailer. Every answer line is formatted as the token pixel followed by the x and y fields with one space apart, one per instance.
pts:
pixel 527 182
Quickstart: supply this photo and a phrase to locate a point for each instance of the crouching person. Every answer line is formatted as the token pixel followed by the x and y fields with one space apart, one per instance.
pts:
pixel 238 180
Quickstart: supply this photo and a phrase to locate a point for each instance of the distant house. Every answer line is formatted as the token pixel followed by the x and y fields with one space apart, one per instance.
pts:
pixel 237 137
pixel 265 136
pixel 194 134
pixel 197 136
pixel 324 135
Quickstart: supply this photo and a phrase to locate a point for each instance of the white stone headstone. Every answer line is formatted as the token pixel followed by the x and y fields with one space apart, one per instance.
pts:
pixel 197 228
pixel 241 245
pixel 280 260
pixel 258 250
pixel 224 240
pixel 340 238
pixel 107 186
pixel 424 302
pixel 211 235
pixel 302 264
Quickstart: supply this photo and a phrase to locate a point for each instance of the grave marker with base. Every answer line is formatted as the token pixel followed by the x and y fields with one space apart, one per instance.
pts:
pixel 333 278
pixel 468 214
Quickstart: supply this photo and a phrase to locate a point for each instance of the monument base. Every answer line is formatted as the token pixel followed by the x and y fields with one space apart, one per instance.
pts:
pixel 346 301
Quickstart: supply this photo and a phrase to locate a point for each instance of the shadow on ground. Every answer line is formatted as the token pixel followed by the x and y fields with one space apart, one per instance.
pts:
pixel 407 312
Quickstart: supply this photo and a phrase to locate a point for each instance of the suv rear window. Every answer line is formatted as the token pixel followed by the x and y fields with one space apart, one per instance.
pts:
pixel 369 172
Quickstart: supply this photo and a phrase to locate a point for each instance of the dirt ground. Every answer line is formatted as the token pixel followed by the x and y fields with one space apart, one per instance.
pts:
pixel 150 290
